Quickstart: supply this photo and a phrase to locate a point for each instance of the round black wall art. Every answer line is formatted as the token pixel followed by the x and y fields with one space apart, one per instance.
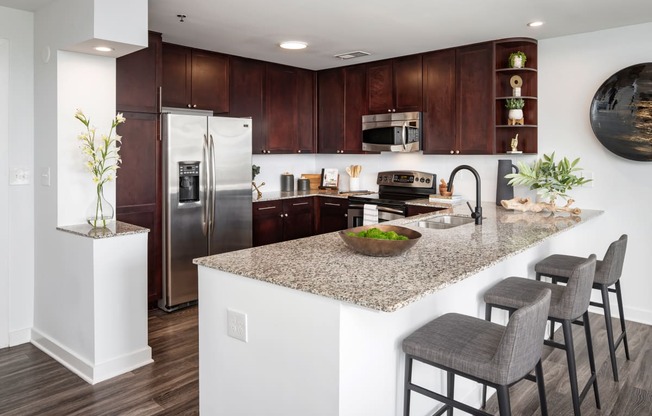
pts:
pixel 621 113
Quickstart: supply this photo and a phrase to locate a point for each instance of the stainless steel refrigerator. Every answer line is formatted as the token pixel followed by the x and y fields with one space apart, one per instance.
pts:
pixel 207 202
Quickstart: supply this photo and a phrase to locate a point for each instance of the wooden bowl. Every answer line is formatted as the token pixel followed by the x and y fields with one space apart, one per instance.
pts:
pixel 380 248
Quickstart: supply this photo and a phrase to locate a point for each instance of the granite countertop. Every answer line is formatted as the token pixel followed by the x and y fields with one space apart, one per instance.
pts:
pixel 325 266
pixel 114 229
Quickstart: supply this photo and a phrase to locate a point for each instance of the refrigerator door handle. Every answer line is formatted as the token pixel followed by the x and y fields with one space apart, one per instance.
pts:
pixel 211 215
pixel 206 185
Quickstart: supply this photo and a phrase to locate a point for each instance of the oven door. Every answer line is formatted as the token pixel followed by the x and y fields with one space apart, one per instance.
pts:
pixel 356 214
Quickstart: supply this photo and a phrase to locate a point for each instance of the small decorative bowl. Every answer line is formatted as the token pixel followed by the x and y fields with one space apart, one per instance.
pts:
pixel 380 248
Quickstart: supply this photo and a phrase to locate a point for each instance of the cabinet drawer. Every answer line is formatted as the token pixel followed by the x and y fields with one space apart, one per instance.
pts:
pixel 263 209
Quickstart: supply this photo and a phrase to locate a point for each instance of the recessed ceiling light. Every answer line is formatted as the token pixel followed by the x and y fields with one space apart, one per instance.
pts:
pixel 103 49
pixel 293 44
pixel 535 23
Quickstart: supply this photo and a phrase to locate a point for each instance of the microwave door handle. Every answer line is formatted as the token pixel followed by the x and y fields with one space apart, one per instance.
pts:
pixel 404 134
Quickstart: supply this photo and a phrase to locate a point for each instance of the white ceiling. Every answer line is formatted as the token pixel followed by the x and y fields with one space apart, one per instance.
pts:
pixel 384 28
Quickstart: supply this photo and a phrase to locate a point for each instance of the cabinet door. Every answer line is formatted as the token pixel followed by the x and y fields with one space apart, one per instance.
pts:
pixel 138 78
pixel 419 209
pixel 475 104
pixel 439 111
pixel 246 85
pixel 408 83
pixel 330 110
pixel 210 81
pixel 176 70
pixel 355 104
pixel 332 214
pixel 138 189
pixel 305 111
pixel 298 218
pixel 281 104
pixel 380 87
pixel 267 224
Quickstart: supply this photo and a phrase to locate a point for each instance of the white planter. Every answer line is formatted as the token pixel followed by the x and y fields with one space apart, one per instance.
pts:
pixel 515 114
pixel 517 62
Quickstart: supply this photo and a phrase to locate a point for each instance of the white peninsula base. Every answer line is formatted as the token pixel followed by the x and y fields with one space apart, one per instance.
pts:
pixel 312 355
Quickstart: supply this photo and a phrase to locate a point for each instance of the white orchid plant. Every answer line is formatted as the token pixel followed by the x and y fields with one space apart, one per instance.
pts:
pixel 103 158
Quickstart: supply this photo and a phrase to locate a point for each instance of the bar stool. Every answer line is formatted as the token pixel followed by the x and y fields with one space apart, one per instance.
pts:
pixel 607 273
pixel 481 351
pixel 567 303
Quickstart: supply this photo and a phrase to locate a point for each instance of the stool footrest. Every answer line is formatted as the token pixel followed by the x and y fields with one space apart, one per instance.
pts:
pixel 587 388
pixel 554 344
pixel 447 402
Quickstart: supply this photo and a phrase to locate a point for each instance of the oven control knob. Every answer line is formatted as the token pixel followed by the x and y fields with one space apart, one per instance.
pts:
pixel 427 180
pixel 422 180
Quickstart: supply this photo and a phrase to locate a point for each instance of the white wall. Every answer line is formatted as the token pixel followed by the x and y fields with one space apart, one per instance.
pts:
pixel 17 202
pixel 571 69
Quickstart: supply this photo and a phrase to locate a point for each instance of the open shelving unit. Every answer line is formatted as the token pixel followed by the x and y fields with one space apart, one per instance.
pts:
pixel 527 133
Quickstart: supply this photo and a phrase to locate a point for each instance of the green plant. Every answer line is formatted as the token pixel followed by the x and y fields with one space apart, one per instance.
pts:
pixel 549 179
pixel 516 54
pixel 514 103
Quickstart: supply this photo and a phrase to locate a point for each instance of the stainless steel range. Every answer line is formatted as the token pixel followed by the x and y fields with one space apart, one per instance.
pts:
pixel 395 189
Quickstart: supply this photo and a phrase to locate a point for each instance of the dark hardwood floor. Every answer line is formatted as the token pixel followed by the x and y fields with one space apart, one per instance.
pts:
pixel 31 383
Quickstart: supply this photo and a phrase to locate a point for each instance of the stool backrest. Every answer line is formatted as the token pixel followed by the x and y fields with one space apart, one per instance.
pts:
pixel 611 267
pixel 520 348
pixel 577 293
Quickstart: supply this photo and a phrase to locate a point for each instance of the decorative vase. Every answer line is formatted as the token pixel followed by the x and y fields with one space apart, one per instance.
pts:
pixel 100 212
pixel 504 191
pixel 515 114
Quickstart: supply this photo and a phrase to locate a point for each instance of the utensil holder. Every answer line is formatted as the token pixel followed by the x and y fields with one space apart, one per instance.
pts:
pixel 354 184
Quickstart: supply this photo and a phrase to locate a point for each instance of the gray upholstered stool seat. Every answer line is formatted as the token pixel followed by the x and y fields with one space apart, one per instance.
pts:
pixel 566 305
pixel 608 271
pixel 483 351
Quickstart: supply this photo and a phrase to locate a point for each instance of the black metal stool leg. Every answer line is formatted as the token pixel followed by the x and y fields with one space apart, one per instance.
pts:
pixel 572 370
pixel 610 332
pixel 407 381
pixel 543 403
pixel 487 317
pixel 504 406
pixel 450 390
pixel 589 347
pixel 619 297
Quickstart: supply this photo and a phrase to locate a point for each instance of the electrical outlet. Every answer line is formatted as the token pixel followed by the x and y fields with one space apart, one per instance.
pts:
pixel 19 176
pixel 236 325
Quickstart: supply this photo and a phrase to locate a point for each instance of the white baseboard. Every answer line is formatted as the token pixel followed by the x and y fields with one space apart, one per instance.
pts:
pixel 22 336
pixel 89 372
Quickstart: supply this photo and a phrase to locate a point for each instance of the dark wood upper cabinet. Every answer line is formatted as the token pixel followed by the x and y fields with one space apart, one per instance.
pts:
pixel 194 78
pixel 395 85
pixel 341 104
pixel 289 110
pixel 439 103
pixel 247 96
pixel 138 78
pixel 475 102
pixel 458 101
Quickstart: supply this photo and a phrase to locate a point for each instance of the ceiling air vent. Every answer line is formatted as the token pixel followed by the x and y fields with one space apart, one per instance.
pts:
pixel 351 55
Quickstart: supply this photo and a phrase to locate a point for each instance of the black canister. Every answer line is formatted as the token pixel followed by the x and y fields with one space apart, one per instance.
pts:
pixel 287 182
pixel 504 191
pixel 303 184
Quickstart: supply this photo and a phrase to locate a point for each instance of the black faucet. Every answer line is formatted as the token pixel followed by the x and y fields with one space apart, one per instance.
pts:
pixel 477 214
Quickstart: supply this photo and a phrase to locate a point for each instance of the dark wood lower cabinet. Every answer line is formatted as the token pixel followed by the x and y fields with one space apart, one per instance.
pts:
pixel 138 189
pixel 332 215
pixel 281 220
pixel 420 209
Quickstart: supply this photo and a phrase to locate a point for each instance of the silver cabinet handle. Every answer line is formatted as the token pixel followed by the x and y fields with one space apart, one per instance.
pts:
pixel 286 215
pixel 264 208
pixel 281 215
pixel 332 204
pixel 299 203
pixel 452 152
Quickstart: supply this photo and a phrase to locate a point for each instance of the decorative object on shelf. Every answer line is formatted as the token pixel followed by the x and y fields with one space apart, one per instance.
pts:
pixel 329 179
pixel 515 107
pixel 517 59
pixel 303 184
pixel 514 145
pixel 354 177
pixel 255 170
pixel 516 82
pixel 103 160
pixel 621 113
pixel 503 189
pixel 550 180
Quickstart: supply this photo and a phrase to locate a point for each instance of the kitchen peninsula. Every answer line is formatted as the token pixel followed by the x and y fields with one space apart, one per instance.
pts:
pixel 323 325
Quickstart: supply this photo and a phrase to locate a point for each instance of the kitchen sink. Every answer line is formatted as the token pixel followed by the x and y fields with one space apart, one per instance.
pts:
pixel 445 221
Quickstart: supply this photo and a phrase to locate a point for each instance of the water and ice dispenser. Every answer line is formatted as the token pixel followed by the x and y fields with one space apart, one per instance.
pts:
pixel 188 181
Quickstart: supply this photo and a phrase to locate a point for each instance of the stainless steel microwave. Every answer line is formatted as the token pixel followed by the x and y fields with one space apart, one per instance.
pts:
pixel 392 132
